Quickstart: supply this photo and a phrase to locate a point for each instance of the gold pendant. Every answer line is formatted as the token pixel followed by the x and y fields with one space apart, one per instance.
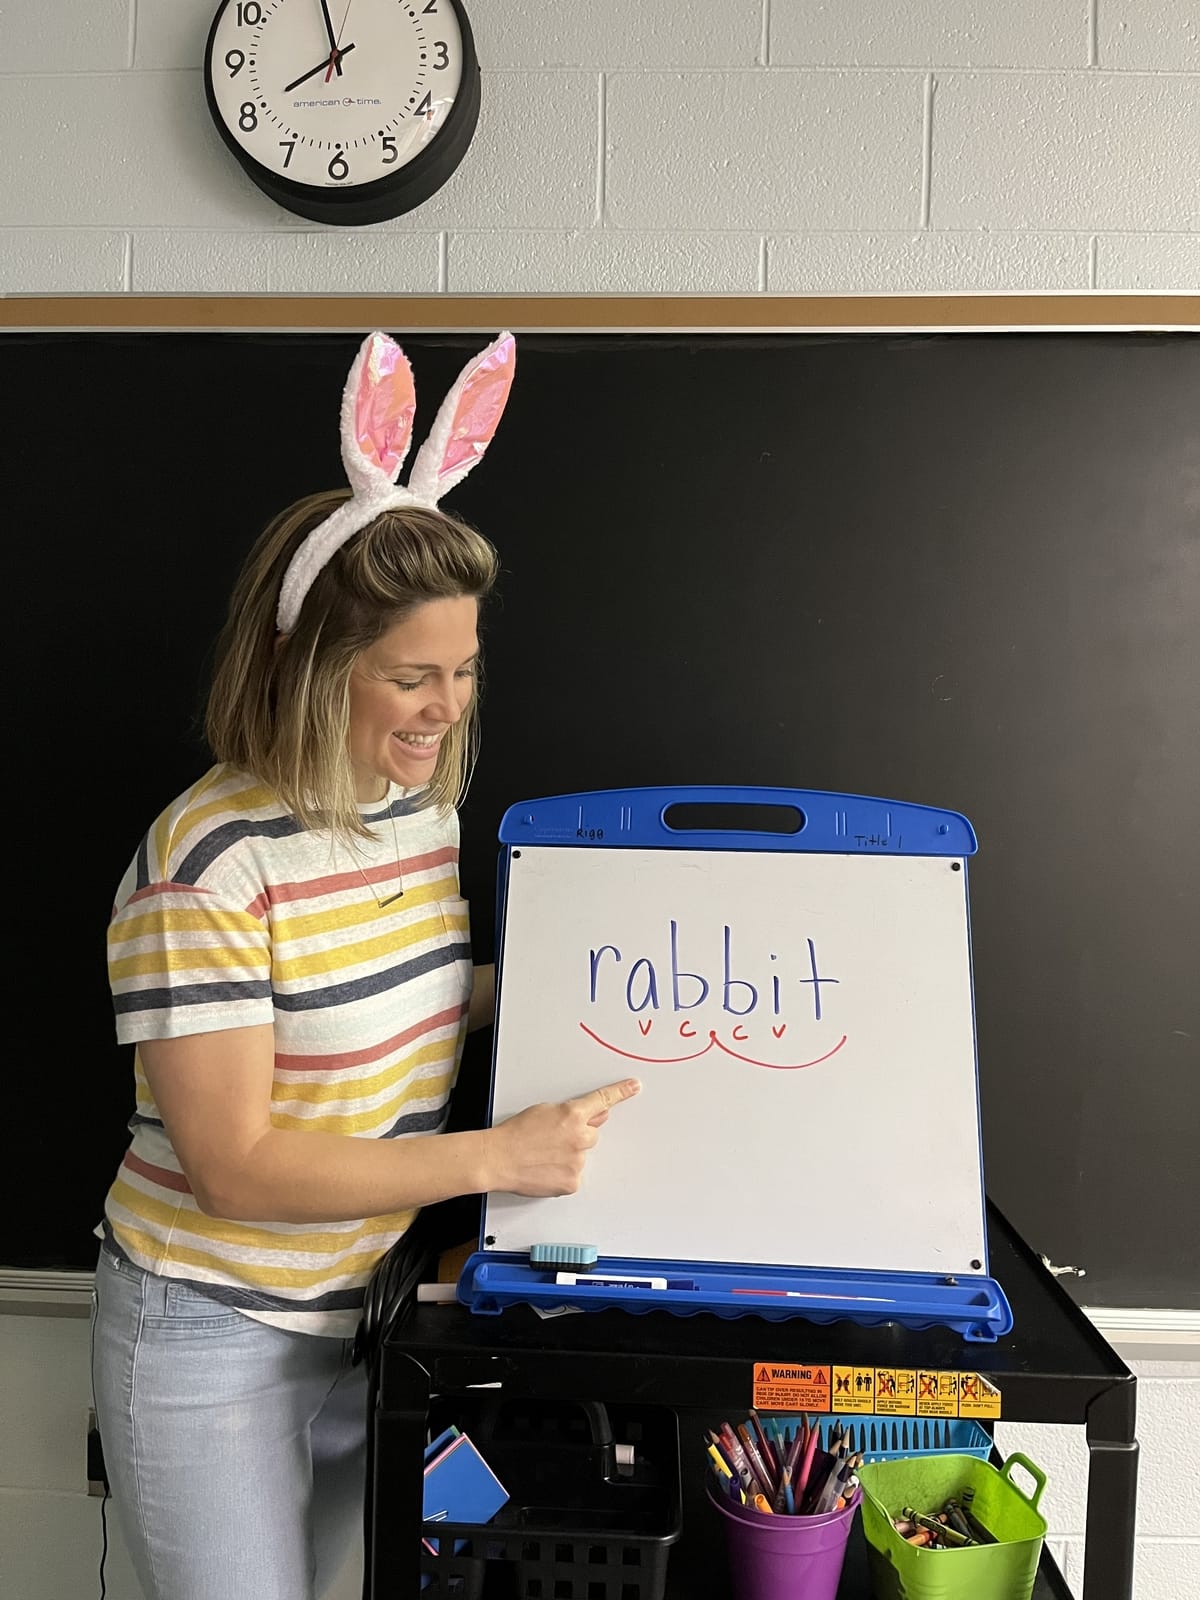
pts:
pixel 391 899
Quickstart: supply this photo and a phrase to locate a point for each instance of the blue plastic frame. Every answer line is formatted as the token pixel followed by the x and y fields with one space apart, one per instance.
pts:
pixel 842 824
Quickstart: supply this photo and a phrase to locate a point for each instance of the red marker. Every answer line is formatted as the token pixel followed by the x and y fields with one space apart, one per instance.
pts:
pixel 812 1294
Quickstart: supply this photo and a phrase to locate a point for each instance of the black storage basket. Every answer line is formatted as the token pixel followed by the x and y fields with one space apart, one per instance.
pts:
pixel 575 1527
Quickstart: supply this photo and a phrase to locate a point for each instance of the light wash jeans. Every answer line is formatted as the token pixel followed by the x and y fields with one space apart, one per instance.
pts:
pixel 236 1451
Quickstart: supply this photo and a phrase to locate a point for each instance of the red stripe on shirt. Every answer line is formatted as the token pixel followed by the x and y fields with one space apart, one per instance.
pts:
pixel 355 1058
pixel 162 1176
pixel 152 889
pixel 339 882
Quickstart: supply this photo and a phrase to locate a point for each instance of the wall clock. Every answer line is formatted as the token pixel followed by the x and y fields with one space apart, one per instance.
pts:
pixel 344 111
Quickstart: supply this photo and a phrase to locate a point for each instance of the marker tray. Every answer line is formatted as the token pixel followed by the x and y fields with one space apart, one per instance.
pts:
pixel 1005 1570
pixel 576 1526
pixel 896 1438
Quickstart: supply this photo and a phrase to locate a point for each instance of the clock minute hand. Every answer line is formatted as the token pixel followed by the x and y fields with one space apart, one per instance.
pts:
pixel 320 67
pixel 329 25
pixel 335 57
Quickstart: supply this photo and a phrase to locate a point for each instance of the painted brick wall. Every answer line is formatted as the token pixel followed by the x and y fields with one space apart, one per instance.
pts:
pixel 638 146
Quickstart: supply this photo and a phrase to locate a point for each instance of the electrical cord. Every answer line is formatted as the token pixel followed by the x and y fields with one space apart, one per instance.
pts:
pixel 411 1260
pixel 107 1490
pixel 390 1291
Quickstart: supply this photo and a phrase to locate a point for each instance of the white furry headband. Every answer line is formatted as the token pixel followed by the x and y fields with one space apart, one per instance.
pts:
pixel 378 406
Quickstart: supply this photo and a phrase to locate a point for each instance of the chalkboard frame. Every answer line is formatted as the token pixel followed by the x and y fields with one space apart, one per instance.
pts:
pixel 934 313
pixel 1146 311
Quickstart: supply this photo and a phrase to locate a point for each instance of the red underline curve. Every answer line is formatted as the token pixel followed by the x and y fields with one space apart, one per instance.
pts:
pixel 670 1061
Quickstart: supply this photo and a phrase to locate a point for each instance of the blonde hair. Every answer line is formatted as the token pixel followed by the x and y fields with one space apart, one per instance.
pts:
pixel 280 707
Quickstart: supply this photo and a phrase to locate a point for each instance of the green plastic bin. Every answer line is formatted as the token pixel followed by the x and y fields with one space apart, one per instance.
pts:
pixel 1002 1571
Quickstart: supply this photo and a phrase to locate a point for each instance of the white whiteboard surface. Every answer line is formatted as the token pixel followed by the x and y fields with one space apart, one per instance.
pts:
pixel 817 1106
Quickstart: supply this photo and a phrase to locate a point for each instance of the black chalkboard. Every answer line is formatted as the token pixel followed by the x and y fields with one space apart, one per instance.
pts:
pixel 954 568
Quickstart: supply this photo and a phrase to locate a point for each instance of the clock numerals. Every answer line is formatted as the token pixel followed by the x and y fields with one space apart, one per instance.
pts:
pixel 331 106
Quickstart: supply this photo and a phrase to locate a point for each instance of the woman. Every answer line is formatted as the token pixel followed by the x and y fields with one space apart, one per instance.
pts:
pixel 289 954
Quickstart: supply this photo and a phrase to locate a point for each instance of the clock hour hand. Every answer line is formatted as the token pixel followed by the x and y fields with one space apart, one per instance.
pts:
pixel 322 66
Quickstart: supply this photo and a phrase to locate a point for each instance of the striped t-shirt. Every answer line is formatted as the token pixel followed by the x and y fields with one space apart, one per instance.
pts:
pixel 232 915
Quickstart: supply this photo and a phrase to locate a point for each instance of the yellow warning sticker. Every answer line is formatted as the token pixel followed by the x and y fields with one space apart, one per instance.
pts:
pixel 895 1392
pixel 879 1391
pixel 937 1394
pixel 853 1391
pixel 799 1388
pixel 977 1397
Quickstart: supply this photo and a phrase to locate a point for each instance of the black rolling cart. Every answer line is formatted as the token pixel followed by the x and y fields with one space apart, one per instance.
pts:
pixel 1054 1367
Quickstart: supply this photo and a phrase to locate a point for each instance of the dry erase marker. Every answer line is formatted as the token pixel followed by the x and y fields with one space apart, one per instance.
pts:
pixel 807 1294
pixel 738 1456
pixel 599 1280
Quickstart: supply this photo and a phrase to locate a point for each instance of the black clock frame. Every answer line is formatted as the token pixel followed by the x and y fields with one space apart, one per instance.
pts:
pixel 383 198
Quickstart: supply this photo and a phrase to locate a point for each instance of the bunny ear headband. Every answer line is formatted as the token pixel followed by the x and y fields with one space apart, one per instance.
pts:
pixel 378 407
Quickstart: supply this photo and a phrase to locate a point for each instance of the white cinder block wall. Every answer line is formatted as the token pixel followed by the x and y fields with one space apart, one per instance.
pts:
pixel 726 146
pixel 640 146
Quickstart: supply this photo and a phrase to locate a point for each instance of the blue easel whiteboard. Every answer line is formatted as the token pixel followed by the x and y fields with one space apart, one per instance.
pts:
pixel 802 1025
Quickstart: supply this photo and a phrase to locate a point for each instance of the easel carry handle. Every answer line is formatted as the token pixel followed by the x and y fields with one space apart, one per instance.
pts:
pixel 712 817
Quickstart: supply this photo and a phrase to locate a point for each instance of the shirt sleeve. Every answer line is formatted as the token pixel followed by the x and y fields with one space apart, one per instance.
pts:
pixel 184 960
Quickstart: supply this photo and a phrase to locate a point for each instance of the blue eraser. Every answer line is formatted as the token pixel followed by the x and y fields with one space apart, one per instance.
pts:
pixel 563 1257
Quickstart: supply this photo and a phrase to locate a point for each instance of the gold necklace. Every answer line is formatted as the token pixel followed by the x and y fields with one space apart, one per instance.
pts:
pixel 391 898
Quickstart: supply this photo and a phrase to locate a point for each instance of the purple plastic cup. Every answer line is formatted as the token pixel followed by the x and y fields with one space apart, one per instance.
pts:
pixel 782 1557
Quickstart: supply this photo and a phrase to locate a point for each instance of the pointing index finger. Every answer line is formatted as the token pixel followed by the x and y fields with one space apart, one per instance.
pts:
pixel 598 1100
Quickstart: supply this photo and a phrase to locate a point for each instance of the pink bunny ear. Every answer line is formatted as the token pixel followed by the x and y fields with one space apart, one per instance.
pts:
pixel 378 407
pixel 466 421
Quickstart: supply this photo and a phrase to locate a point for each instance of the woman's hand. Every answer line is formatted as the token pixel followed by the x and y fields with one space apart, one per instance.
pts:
pixel 541 1151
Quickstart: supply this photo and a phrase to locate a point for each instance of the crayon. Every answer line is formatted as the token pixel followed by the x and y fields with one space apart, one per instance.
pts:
pixel 956 1519
pixel 941 1531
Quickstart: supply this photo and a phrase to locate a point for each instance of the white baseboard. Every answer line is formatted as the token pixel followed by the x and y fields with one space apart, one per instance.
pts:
pixel 26 1292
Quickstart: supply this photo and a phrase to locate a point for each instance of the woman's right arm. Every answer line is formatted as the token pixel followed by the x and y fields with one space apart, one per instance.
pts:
pixel 213 1092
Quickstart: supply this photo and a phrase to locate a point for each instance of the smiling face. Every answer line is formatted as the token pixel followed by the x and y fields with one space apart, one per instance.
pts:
pixel 406 690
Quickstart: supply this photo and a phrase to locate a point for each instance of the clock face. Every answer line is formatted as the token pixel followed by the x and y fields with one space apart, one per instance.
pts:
pixel 321 98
